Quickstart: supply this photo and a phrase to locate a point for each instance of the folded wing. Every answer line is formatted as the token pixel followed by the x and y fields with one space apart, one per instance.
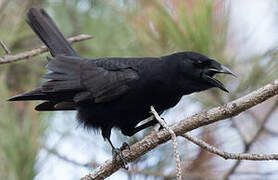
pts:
pixel 74 80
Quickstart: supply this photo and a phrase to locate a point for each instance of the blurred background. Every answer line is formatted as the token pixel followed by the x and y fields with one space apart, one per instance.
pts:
pixel 240 34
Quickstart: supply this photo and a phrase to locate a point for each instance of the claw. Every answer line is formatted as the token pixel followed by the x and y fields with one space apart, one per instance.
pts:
pixel 125 146
pixel 117 151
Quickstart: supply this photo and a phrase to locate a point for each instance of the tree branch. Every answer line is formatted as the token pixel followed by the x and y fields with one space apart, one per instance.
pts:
pixel 201 119
pixel 226 155
pixel 5 48
pixel 175 144
pixel 54 152
pixel 248 144
pixel 27 54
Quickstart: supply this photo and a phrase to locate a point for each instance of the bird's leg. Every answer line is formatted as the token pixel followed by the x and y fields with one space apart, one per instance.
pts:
pixel 118 151
pixel 124 146
pixel 131 131
pixel 158 126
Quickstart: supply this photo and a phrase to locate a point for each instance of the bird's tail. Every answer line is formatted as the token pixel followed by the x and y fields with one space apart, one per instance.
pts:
pixel 63 81
pixel 49 33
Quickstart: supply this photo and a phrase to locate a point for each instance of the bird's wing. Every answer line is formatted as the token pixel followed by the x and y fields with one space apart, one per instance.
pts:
pixel 73 80
pixel 94 82
pixel 105 80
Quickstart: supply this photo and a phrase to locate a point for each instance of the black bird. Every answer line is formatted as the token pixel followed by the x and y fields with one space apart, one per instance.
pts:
pixel 115 92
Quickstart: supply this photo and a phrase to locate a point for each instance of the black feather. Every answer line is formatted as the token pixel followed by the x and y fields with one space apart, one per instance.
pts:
pixel 48 32
pixel 54 106
pixel 115 92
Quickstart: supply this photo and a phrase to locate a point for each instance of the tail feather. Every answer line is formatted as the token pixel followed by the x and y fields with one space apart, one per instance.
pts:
pixel 63 84
pixel 64 79
pixel 36 94
pixel 65 64
pixel 54 106
pixel 48 32
pixel 65 75
pixel 55 75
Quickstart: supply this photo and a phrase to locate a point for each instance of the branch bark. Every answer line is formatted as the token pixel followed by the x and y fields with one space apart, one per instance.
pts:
pixel 248 144
pixel 27 54
pixel 201 119
pixel 226 155
pixel 175 144
pixel 5 48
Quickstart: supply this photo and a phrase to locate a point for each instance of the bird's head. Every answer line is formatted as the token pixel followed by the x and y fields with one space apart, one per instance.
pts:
pixel 201 69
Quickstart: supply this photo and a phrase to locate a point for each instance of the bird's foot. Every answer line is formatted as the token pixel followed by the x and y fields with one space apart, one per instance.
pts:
pixel 157 127
pixel 118 152
pixel 124 146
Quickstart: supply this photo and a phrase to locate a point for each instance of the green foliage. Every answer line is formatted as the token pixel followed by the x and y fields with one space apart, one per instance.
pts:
pixel 20 127
pixel 19 140
pixel 183 27
pixel 112 35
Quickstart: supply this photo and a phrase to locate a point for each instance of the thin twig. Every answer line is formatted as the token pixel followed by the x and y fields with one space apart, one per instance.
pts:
pixel 213 115
pixel 270 132
pixel 94 164
pixel 253 140
pixel 257 173
pixel 174 139
pixel 5 48
pixel 226 155
pixel 27 54
pixel 54 152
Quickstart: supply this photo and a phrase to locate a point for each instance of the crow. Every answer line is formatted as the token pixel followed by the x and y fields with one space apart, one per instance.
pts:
pixel 115 92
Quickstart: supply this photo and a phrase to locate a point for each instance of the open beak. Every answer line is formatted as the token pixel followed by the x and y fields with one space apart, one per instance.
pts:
pixel 212 71
pixel 225 70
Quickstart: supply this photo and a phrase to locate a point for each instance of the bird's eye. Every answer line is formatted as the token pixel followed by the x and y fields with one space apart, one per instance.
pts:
pixel 200 63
